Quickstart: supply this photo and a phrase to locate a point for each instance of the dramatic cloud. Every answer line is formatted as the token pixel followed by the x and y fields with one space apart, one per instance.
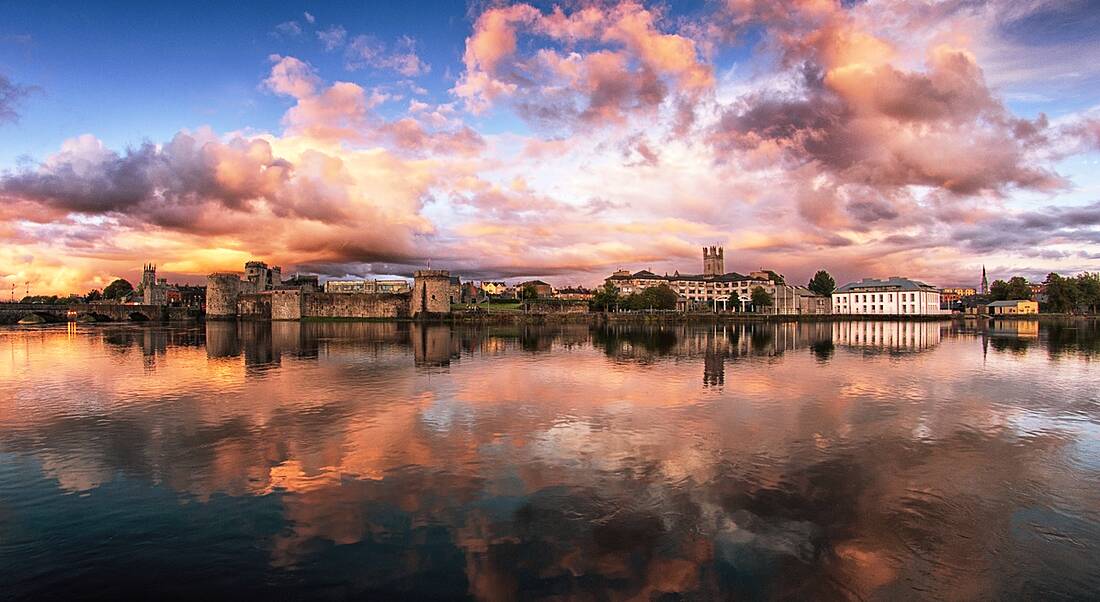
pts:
pixel 866 138
pixel 632 66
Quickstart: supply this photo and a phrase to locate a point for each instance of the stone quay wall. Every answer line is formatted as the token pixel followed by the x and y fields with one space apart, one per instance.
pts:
pixel 354 305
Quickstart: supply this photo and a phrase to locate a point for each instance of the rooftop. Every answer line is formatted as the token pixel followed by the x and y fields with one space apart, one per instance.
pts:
pixel 891 283
pixel 1010 303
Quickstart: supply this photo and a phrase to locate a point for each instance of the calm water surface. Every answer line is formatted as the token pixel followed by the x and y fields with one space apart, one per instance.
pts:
pixel 819 461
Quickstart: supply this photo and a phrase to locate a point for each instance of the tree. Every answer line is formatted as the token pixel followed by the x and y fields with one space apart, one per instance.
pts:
pixel 529 293
pixel 761 298
pixel 118 289
pixel 660 297
pixel 93 295
pixel 606 298
pixel 822 283
pixel 998 291
pixel 1018 288
pixel 1088 291
pixel 1062 293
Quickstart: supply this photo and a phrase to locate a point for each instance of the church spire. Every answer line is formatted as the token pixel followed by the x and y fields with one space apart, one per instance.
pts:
pixel 985 282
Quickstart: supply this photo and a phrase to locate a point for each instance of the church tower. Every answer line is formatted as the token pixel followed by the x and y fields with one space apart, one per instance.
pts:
pixel 713 261
pixel 985 283
pixel 148 276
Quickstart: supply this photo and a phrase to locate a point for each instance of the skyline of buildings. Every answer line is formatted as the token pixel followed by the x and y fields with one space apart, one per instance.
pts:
pixel 515 141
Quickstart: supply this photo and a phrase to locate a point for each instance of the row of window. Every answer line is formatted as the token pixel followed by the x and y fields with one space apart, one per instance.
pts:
pixel 871 309
pixel 871 297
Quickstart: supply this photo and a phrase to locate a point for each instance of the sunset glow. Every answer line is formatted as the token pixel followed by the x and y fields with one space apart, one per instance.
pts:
pixel 556 141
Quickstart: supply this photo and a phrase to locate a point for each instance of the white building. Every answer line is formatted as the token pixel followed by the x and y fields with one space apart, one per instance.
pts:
pixel 894 296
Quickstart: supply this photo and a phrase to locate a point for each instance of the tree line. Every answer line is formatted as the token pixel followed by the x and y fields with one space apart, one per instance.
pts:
pixel 1064 294
pixel 117 290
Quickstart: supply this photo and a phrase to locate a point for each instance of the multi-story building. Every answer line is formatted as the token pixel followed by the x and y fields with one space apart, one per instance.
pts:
pixel 809 302
pixel 728 291
pixel 543 289
pixel 953 294
pixel 894 296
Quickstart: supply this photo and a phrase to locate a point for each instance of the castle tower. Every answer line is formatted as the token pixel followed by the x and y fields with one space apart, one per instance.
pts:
pixel 713 261
pixel 985 283
pixel 431 294
pixel 222 291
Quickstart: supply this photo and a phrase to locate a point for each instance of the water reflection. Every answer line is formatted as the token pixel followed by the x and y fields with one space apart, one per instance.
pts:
pixel 871 460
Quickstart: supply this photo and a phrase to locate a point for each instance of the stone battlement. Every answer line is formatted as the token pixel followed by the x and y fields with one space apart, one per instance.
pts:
pixel 229 297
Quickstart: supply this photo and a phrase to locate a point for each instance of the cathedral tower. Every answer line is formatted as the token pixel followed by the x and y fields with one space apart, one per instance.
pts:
pixel 713 261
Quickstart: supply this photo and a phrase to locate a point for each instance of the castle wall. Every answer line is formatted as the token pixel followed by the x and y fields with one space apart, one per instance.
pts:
pixel 222 290
pixel 254 306
pixel 354 305
pixel 431 292
pixel 286 305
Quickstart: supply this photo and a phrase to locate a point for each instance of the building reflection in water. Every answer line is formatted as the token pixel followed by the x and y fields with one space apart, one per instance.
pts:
pixel 221 339
pixel 433 344
pixel 888 335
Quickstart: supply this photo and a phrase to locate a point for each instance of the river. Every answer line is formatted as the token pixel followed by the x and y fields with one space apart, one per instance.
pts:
pixel 848 460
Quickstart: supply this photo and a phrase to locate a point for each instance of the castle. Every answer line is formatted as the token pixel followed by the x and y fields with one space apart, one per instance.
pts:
pixel 263 295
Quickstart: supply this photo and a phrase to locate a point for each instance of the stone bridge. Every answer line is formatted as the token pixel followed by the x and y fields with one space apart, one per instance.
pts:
pixel 10 313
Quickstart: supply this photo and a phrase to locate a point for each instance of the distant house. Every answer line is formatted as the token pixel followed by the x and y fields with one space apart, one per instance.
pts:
pixel 1013 308
pixel 494 288
pixel 543 289
pixel 893 296
pixel 809 302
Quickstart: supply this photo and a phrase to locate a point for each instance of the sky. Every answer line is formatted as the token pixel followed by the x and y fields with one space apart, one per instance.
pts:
pixel 561 140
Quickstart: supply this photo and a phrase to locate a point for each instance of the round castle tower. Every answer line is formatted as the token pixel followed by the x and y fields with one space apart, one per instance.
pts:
pixel 222 290
pixel 431 294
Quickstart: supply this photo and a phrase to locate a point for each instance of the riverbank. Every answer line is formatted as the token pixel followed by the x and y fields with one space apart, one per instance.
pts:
pixel 512 318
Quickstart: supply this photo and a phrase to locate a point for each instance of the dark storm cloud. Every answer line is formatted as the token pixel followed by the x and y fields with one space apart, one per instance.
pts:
pixel 1032 229
pixel 164 186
